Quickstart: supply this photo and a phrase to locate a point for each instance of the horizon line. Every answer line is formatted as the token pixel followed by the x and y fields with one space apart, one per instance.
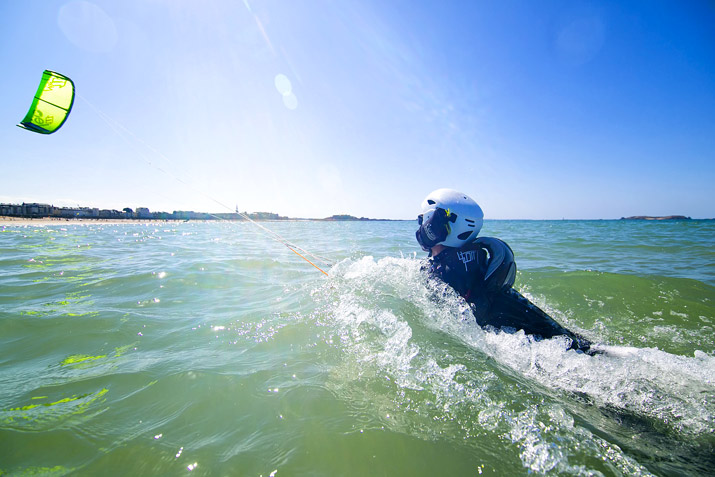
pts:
pixel 334 217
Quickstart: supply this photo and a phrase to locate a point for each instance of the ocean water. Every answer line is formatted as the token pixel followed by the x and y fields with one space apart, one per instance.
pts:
pixel 209 349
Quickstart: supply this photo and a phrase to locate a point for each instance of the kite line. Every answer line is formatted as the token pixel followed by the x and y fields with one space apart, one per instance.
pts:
pixel 123 132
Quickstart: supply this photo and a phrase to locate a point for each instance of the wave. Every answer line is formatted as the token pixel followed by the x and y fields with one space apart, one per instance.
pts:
pixel 407 351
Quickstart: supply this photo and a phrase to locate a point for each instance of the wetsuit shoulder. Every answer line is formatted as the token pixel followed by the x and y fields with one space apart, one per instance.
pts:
pixel 461 268
pixel 500 271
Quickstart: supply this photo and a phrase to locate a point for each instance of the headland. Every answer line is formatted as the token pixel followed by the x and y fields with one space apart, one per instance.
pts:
pixel 657 217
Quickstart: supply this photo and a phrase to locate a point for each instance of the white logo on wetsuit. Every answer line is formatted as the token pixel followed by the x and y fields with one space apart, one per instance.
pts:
pixel 466 257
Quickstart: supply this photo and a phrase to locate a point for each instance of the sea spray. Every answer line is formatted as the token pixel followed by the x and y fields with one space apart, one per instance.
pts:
pixel 384 308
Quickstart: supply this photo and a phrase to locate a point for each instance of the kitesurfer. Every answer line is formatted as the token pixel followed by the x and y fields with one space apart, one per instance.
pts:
pixel 480 269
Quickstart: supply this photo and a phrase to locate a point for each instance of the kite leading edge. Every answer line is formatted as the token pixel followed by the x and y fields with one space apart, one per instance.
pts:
pixel 51 105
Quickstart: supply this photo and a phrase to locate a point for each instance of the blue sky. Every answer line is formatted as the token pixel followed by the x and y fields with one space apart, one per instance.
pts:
pixel 538 110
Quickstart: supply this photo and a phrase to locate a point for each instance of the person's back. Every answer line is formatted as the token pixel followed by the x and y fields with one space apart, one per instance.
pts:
pixel 480 269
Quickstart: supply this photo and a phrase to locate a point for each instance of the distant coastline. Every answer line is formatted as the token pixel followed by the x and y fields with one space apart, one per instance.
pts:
pixel 37 212
pixel 34 211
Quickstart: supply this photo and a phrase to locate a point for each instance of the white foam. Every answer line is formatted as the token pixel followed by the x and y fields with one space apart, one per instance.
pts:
pixel 390 321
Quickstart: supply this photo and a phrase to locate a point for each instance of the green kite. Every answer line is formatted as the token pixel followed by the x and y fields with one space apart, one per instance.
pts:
pixel 51 105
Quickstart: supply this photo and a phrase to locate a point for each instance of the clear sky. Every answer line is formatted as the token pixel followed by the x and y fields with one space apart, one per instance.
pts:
pixel 308 108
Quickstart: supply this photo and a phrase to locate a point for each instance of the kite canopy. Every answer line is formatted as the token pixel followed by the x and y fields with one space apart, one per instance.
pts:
pixel 51 105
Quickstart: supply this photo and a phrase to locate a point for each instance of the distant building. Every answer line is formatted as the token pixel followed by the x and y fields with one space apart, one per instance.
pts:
pixel 37 210
pixel 110 214
pixel 189 215
pixel 10 209
pixel 143 213
pixel 77 212
pixel 31 210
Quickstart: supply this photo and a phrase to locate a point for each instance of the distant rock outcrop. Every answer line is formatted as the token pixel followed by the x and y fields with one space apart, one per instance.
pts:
pixel 661 217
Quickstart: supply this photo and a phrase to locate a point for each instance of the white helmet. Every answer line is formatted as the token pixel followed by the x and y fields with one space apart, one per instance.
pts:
pixel 449 218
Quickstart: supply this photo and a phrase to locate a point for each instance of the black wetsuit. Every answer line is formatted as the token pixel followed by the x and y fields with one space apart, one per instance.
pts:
pixel 483 273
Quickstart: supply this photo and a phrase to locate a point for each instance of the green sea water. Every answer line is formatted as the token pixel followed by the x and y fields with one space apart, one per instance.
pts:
pixel 209 349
